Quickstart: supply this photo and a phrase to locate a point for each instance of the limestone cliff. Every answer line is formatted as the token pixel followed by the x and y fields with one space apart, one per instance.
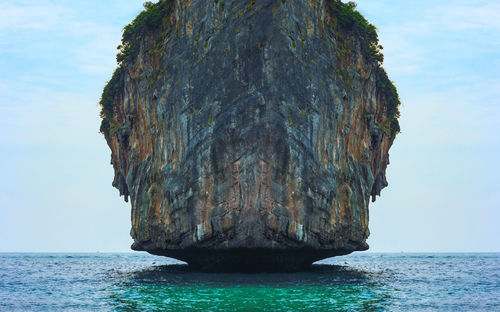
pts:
pixel 250 134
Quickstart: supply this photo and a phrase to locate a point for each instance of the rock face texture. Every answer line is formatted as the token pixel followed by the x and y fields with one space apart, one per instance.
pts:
pixel 249 134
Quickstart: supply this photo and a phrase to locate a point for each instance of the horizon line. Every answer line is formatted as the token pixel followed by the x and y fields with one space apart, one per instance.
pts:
pixel 144 252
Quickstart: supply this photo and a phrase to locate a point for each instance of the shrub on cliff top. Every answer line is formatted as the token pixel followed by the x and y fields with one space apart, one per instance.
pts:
pixel 347 19
pixel 107 97
pixel 152 19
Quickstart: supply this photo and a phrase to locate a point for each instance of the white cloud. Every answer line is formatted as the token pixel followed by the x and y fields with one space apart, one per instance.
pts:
pixel 425 35
pixel 35 16
pixel 482 16
pixel 49 118
pixel 44 32
pixel 63 60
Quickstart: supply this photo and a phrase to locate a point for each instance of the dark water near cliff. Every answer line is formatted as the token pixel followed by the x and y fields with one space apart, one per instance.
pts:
pixel 360 282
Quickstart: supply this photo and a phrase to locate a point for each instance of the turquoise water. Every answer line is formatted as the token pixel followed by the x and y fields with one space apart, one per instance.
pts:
pixel 360 282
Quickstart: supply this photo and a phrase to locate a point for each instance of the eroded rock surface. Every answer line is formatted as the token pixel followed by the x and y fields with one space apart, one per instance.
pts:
pixel 249 134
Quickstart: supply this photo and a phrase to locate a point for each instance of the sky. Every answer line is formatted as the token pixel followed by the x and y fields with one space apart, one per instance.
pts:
pixel 55 186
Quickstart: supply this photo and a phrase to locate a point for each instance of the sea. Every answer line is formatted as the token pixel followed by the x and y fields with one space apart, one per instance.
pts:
pixel 358 282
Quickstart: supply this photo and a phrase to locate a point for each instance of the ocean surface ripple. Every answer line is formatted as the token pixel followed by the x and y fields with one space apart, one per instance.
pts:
pixel 140 282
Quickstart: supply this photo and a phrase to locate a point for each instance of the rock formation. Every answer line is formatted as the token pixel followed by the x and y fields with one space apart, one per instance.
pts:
pixel 250 134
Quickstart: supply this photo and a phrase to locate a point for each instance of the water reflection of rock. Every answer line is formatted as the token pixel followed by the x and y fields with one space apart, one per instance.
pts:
pixel 183 275
pixel 323 287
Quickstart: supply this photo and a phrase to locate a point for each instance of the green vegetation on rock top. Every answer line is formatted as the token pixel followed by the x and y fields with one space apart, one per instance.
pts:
pixel 108 94
pixel 152 19
pixel 348 20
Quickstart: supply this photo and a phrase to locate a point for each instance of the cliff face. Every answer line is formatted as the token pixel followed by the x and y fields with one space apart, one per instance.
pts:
pixel 249 133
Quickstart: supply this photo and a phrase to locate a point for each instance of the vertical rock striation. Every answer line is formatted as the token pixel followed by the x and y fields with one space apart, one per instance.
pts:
pixel 250 134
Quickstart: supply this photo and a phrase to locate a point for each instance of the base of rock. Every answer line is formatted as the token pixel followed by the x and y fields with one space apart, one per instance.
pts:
pixel 250 260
